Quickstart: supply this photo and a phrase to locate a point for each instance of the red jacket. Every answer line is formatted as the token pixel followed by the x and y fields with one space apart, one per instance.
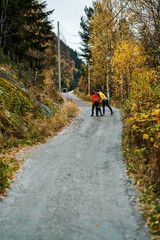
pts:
pixel 94 98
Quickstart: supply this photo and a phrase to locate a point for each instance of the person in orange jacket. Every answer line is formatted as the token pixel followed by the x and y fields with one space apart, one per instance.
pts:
pixel 95 103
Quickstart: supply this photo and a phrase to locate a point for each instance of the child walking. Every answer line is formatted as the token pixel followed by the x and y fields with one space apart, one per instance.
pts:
pixel 95 103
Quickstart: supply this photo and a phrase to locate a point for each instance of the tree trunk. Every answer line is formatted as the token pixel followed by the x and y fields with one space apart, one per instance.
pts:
pixel 3 15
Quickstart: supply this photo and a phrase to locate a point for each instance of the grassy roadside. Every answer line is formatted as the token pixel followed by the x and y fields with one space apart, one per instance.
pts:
pixel 40 131
pixel 137 169
pixel 141 145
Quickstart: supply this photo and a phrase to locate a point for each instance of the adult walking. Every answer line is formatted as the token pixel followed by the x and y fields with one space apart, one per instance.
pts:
pixel 104 101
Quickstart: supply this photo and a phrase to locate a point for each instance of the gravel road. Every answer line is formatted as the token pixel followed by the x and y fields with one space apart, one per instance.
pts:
pixel 74 187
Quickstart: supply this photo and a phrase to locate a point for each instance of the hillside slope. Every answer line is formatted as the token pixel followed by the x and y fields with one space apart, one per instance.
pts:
pixel 19 110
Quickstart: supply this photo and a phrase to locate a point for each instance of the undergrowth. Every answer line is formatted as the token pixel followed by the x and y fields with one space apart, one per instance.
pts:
pixel 141 149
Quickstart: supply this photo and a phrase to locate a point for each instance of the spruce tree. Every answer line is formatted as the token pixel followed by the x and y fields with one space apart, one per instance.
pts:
pixel 25 30
pixel 85 33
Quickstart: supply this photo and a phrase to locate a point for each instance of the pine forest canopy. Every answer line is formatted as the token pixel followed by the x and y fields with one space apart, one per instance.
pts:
pixel 28 40
pixel 24 30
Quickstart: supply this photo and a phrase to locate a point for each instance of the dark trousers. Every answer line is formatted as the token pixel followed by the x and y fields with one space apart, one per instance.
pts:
pixel 105 102
pixel 98 108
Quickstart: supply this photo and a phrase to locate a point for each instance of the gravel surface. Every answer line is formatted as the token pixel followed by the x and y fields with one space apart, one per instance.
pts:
pixel 74 187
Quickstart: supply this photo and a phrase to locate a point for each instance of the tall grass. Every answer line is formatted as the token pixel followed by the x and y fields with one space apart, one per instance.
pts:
pixel 51 125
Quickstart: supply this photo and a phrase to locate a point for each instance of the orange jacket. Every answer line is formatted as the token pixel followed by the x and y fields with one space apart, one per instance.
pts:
pixel 94 98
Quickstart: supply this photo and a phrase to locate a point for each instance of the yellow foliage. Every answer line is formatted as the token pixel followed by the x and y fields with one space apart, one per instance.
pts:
pixel 145 136
pixel 156 115
pixel 83 83
pixel 100 44
pixel 128 61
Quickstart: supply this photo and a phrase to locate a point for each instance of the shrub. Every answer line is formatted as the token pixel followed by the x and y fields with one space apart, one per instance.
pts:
pixel 143 120
pixel 141 145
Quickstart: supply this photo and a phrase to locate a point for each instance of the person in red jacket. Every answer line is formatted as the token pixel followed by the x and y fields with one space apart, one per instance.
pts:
pixel 95 103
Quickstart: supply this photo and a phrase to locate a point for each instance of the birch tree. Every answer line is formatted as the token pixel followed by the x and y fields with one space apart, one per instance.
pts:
pixel 102 46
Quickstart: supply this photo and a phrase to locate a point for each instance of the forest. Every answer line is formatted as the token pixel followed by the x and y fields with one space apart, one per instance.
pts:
pixel 121 46
pixel 28 41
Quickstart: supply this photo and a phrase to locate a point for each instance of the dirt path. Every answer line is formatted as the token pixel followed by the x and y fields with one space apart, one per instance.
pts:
pixel 74 187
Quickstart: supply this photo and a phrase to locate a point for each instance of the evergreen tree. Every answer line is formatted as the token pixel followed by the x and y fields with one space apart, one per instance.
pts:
pixel 25 30
pixel 75 57
pixel 85 33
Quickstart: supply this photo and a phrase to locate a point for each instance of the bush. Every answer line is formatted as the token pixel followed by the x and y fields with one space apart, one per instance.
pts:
pixel 143 119
pixel 141 145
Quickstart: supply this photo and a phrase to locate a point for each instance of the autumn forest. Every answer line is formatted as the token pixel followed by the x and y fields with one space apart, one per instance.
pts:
pixel 120 54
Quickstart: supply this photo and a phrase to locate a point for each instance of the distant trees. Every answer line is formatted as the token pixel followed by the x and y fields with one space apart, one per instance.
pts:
pixel 70 66
pixel 77 69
